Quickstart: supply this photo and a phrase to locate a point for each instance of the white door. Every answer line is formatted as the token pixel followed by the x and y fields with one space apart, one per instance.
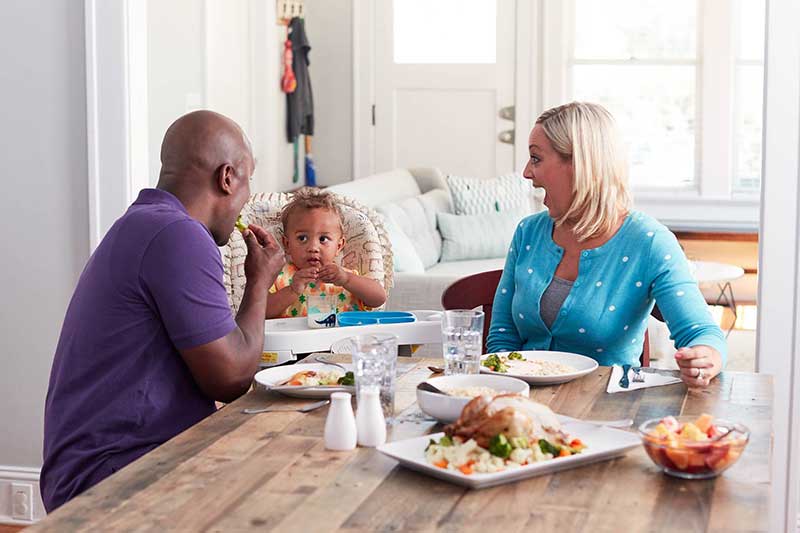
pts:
pixel 444 71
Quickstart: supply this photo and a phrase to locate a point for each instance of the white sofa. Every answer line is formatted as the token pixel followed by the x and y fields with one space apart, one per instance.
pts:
pixel 410 199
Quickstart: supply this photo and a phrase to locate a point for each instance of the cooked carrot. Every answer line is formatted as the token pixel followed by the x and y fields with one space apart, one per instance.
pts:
pixel 466 469
pixel 441 464
pixel 295 382
pixel 564 453
pixel 576 443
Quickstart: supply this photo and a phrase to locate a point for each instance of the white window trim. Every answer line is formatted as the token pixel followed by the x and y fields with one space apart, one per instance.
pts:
pixel 711 203
pixel 779 262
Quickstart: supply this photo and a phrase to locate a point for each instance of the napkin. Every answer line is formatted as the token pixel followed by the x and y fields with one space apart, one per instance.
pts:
pixel 651 379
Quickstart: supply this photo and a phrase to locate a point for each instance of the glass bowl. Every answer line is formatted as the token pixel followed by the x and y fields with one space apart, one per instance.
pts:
pixel 689 459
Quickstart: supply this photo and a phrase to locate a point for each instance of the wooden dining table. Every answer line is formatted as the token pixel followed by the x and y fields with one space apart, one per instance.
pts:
pixel 271 471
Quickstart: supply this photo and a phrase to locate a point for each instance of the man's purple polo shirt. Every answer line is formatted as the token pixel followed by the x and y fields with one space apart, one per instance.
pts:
pixel 119 387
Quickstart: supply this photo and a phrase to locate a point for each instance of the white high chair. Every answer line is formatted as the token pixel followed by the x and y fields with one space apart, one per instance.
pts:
pixel 367 248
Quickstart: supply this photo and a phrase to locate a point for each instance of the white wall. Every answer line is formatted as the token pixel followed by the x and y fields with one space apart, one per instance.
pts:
pixel 175 68
pixel 224 56
pixel 43 209
pixel 329 24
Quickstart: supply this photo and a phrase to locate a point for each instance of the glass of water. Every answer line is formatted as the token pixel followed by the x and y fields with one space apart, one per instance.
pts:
pixel 375 367
pixel 462 340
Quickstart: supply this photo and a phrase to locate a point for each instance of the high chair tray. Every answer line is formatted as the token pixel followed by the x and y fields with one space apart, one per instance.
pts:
pixel 294 336
pixel 363 318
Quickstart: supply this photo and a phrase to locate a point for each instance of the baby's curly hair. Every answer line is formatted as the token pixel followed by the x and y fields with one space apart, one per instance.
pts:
pixel 311 198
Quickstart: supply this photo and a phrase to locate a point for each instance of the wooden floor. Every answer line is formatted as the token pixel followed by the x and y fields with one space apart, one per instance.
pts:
pixel 10 529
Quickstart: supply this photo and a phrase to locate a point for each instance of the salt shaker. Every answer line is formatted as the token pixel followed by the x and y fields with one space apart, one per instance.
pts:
pixel 370 421
pixel 340 426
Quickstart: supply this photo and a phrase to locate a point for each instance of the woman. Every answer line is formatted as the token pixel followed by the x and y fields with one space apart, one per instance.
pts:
pixel 584 276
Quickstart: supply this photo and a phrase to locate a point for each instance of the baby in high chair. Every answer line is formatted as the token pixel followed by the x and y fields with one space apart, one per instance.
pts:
pixel 313 235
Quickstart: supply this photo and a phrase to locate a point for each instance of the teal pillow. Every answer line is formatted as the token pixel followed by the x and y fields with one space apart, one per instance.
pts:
pixel 485 236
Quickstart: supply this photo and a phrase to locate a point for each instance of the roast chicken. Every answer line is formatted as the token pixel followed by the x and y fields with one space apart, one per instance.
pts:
pixel 509 414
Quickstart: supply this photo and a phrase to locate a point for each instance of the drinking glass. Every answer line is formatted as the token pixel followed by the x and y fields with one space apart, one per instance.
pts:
pixel 375 367
pixel 462 340
pixel 321 310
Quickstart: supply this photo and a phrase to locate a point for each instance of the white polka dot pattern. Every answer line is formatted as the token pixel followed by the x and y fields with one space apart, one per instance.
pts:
pixel 612 307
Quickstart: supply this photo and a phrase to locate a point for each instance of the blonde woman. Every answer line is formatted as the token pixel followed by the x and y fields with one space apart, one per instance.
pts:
pixel 584 276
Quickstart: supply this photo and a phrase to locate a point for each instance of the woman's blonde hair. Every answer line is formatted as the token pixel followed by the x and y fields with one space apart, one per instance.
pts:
pixel 311 198
pixel 586 134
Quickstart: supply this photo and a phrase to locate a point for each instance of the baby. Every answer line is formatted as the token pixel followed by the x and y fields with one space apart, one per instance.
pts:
pixel 313 236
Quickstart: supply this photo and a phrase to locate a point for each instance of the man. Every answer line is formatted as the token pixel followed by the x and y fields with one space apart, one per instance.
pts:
pixel 148 341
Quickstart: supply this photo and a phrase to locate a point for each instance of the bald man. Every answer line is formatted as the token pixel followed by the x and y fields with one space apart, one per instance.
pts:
pixel 148 341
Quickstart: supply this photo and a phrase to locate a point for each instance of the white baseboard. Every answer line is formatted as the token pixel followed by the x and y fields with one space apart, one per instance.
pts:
pixel 13 474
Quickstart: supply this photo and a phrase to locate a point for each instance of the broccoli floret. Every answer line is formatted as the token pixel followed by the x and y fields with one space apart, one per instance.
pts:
pixel 547 447
pixel 499 446
pixel 445 441
pixel 494 363
pixel 516 355
pixel 347 379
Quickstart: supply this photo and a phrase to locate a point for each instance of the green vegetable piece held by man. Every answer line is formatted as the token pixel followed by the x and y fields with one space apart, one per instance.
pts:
pixel 241 226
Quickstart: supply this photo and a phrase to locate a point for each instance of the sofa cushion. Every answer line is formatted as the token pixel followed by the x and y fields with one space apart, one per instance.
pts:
pixel 474 196
pixel 478 236
pixel 404 255
pixel 460 269
pixel 417 218
pixel 380 188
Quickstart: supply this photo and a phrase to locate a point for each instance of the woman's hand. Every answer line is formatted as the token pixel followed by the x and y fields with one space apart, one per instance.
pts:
pixel 698 364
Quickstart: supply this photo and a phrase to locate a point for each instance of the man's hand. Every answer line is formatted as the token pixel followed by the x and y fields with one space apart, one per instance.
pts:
pixel 303 277
pixel 265 258
pixel 335 274
pixel 698 364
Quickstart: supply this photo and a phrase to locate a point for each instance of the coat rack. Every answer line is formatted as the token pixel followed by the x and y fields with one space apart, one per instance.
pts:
pixel 288 9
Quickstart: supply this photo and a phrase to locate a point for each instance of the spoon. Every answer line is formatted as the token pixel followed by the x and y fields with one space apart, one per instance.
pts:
pixel 430 388
pixel 735 427
pixel 436 369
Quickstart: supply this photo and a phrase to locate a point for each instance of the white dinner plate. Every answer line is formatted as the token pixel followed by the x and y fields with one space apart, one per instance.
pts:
pixel 583 365
pixel 602 443
pixel 270 377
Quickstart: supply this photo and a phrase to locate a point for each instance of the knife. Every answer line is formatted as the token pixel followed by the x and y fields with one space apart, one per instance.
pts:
pixel 623 381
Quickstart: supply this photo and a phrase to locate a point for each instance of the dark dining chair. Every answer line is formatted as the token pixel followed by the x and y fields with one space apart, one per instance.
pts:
pixel 477 290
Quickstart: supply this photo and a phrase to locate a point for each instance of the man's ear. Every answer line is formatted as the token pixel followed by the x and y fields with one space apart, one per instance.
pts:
pixel 225 175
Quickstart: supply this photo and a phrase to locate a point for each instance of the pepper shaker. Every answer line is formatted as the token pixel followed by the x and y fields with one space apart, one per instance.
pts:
pixel 340 426
pixel 370 422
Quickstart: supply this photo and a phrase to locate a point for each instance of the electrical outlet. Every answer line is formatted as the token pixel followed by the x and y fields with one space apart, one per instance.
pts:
pixel 22 501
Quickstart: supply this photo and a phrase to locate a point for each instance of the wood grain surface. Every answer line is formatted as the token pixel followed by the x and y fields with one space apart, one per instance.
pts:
pixel 237 472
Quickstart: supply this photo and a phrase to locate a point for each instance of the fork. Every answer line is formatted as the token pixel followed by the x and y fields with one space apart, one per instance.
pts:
pixel 320 359
pixel 274 408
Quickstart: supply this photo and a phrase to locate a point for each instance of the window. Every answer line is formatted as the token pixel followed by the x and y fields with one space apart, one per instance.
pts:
pixel 748 97
pixel 445 31
pixel 683 79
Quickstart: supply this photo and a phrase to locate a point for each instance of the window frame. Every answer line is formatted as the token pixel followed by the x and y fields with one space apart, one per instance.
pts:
pixel 711 202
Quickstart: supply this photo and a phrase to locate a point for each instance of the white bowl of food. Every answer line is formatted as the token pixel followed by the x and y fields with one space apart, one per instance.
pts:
pixel 459 390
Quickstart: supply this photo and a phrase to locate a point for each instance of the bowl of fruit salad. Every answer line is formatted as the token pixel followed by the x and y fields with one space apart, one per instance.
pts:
pixel 692 447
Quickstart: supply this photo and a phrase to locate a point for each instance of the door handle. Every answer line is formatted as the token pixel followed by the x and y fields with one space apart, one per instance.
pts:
pixel 507 113
pixel 506 136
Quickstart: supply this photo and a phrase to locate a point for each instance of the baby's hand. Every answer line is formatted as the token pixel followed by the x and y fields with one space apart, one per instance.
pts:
pixel 303 277
pixel 335 274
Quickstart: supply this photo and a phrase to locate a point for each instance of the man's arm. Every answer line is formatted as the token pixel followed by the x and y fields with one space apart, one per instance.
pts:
pixel 224 368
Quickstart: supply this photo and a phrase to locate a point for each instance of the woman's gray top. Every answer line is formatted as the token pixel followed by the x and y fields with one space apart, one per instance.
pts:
pixel 552 299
